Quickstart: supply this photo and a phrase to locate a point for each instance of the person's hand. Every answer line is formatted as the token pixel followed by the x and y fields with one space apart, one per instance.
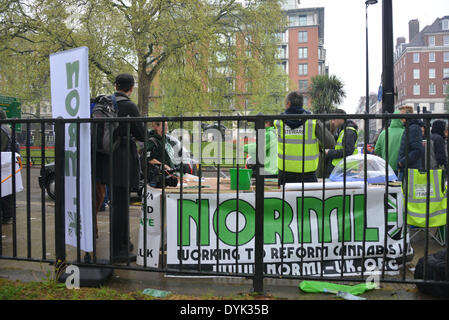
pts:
pixel 167 168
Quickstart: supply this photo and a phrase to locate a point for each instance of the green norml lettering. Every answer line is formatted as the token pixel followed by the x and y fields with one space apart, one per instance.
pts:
pixel 190 211
pixel 68 102
pixel 221 229
pixel 332 206
pixel 70 159
pixel 71 70
pixel 273 225
pixel 72 135
pixel 371 234
pixel 315 205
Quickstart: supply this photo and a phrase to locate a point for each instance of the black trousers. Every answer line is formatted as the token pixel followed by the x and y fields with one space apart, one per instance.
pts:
pixel 292 177
pixel 7 206
pixel 120 221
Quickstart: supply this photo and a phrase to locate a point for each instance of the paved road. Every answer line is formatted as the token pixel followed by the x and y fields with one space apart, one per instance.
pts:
pixel 134 280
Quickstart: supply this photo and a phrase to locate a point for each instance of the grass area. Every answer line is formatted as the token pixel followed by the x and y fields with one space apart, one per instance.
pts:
pixel 35 155
pixel 52 290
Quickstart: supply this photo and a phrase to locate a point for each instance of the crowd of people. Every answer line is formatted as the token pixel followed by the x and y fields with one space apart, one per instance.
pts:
pixel 408 148
pixel 304 148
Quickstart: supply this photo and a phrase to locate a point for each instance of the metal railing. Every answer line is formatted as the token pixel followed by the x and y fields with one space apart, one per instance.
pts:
pixel 258 252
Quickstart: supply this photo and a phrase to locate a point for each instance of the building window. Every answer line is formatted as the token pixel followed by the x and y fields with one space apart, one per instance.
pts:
pixel 431 56
pixel 302 20
pixel 415 73
pixel 446 24
pixel 302 53
pixel 432 107
pixel 303 85
pixel 431 73
pixel 446 56
pixel 305 101
pixel 416 57
pixel 432 89
pixel 303 69
pixel 293 21
pixel 446 73
pixel 446 40
pixel 302 37
pixel 431 41
pixel 446 88
pixel 416 90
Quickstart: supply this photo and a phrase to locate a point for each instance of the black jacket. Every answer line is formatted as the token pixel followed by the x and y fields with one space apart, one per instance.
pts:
pixel 439 144
pixel 122 154
pixel 415 147
pixel 350 138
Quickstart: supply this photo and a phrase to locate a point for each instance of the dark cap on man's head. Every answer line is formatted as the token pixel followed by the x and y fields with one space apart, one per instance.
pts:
pixel 339 111
pixel 124 81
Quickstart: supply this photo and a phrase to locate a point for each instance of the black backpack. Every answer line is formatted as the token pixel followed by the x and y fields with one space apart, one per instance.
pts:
pixel 436 265
pixel 106 107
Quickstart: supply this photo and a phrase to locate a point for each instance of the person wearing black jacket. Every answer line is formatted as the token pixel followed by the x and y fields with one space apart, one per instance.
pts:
pixel 125 171
pixel 415 149
pixel 294 106
pixel 439 143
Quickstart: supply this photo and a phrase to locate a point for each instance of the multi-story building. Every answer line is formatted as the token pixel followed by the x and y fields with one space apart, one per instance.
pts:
pixel 421 65
pixel 301 50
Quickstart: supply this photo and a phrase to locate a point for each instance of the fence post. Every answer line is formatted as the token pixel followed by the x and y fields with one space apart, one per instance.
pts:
pixel 59 192
pixel 258 247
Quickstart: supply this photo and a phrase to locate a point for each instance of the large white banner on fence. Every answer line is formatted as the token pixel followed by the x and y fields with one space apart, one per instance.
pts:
pixel 321 229
pixel 69 72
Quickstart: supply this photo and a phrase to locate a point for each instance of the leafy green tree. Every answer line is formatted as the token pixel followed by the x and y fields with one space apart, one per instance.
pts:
pixel 135 36
pixel 326 93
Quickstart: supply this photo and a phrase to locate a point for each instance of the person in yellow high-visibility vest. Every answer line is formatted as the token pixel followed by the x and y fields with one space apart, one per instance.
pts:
pixel 346 141
pixel 299 143
pixel 417 198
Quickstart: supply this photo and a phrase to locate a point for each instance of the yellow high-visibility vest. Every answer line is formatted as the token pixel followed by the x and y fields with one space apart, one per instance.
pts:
pixel 340 146
pixel 301 147
pixel 417 199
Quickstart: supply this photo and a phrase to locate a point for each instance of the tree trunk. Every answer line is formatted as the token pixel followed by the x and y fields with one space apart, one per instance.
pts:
pixel 144 83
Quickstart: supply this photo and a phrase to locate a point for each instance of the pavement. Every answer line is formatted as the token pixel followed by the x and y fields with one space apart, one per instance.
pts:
pixel 127 281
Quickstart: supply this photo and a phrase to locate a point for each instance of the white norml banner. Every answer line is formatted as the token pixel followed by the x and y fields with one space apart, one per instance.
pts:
pixel 321 234
pixel 70 99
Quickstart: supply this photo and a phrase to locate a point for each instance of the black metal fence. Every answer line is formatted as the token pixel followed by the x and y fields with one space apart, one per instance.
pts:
pixel 247 252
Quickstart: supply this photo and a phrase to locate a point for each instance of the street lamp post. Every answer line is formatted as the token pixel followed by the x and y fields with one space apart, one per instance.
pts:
pixel 367 3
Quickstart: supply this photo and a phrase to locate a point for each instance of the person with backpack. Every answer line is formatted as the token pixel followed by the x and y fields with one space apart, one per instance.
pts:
pixel 126 168
pixel 7 202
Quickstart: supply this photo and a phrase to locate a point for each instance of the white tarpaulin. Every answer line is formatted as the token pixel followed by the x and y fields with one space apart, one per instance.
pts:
pixel 313 231
pixel 70 98
pixel 6 175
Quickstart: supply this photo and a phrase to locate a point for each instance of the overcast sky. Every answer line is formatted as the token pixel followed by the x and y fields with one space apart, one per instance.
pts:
pixel 344 38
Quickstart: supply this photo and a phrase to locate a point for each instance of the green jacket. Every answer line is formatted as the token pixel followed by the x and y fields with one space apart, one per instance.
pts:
pixel 271 166
pixel 395 132
pixel 155 149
